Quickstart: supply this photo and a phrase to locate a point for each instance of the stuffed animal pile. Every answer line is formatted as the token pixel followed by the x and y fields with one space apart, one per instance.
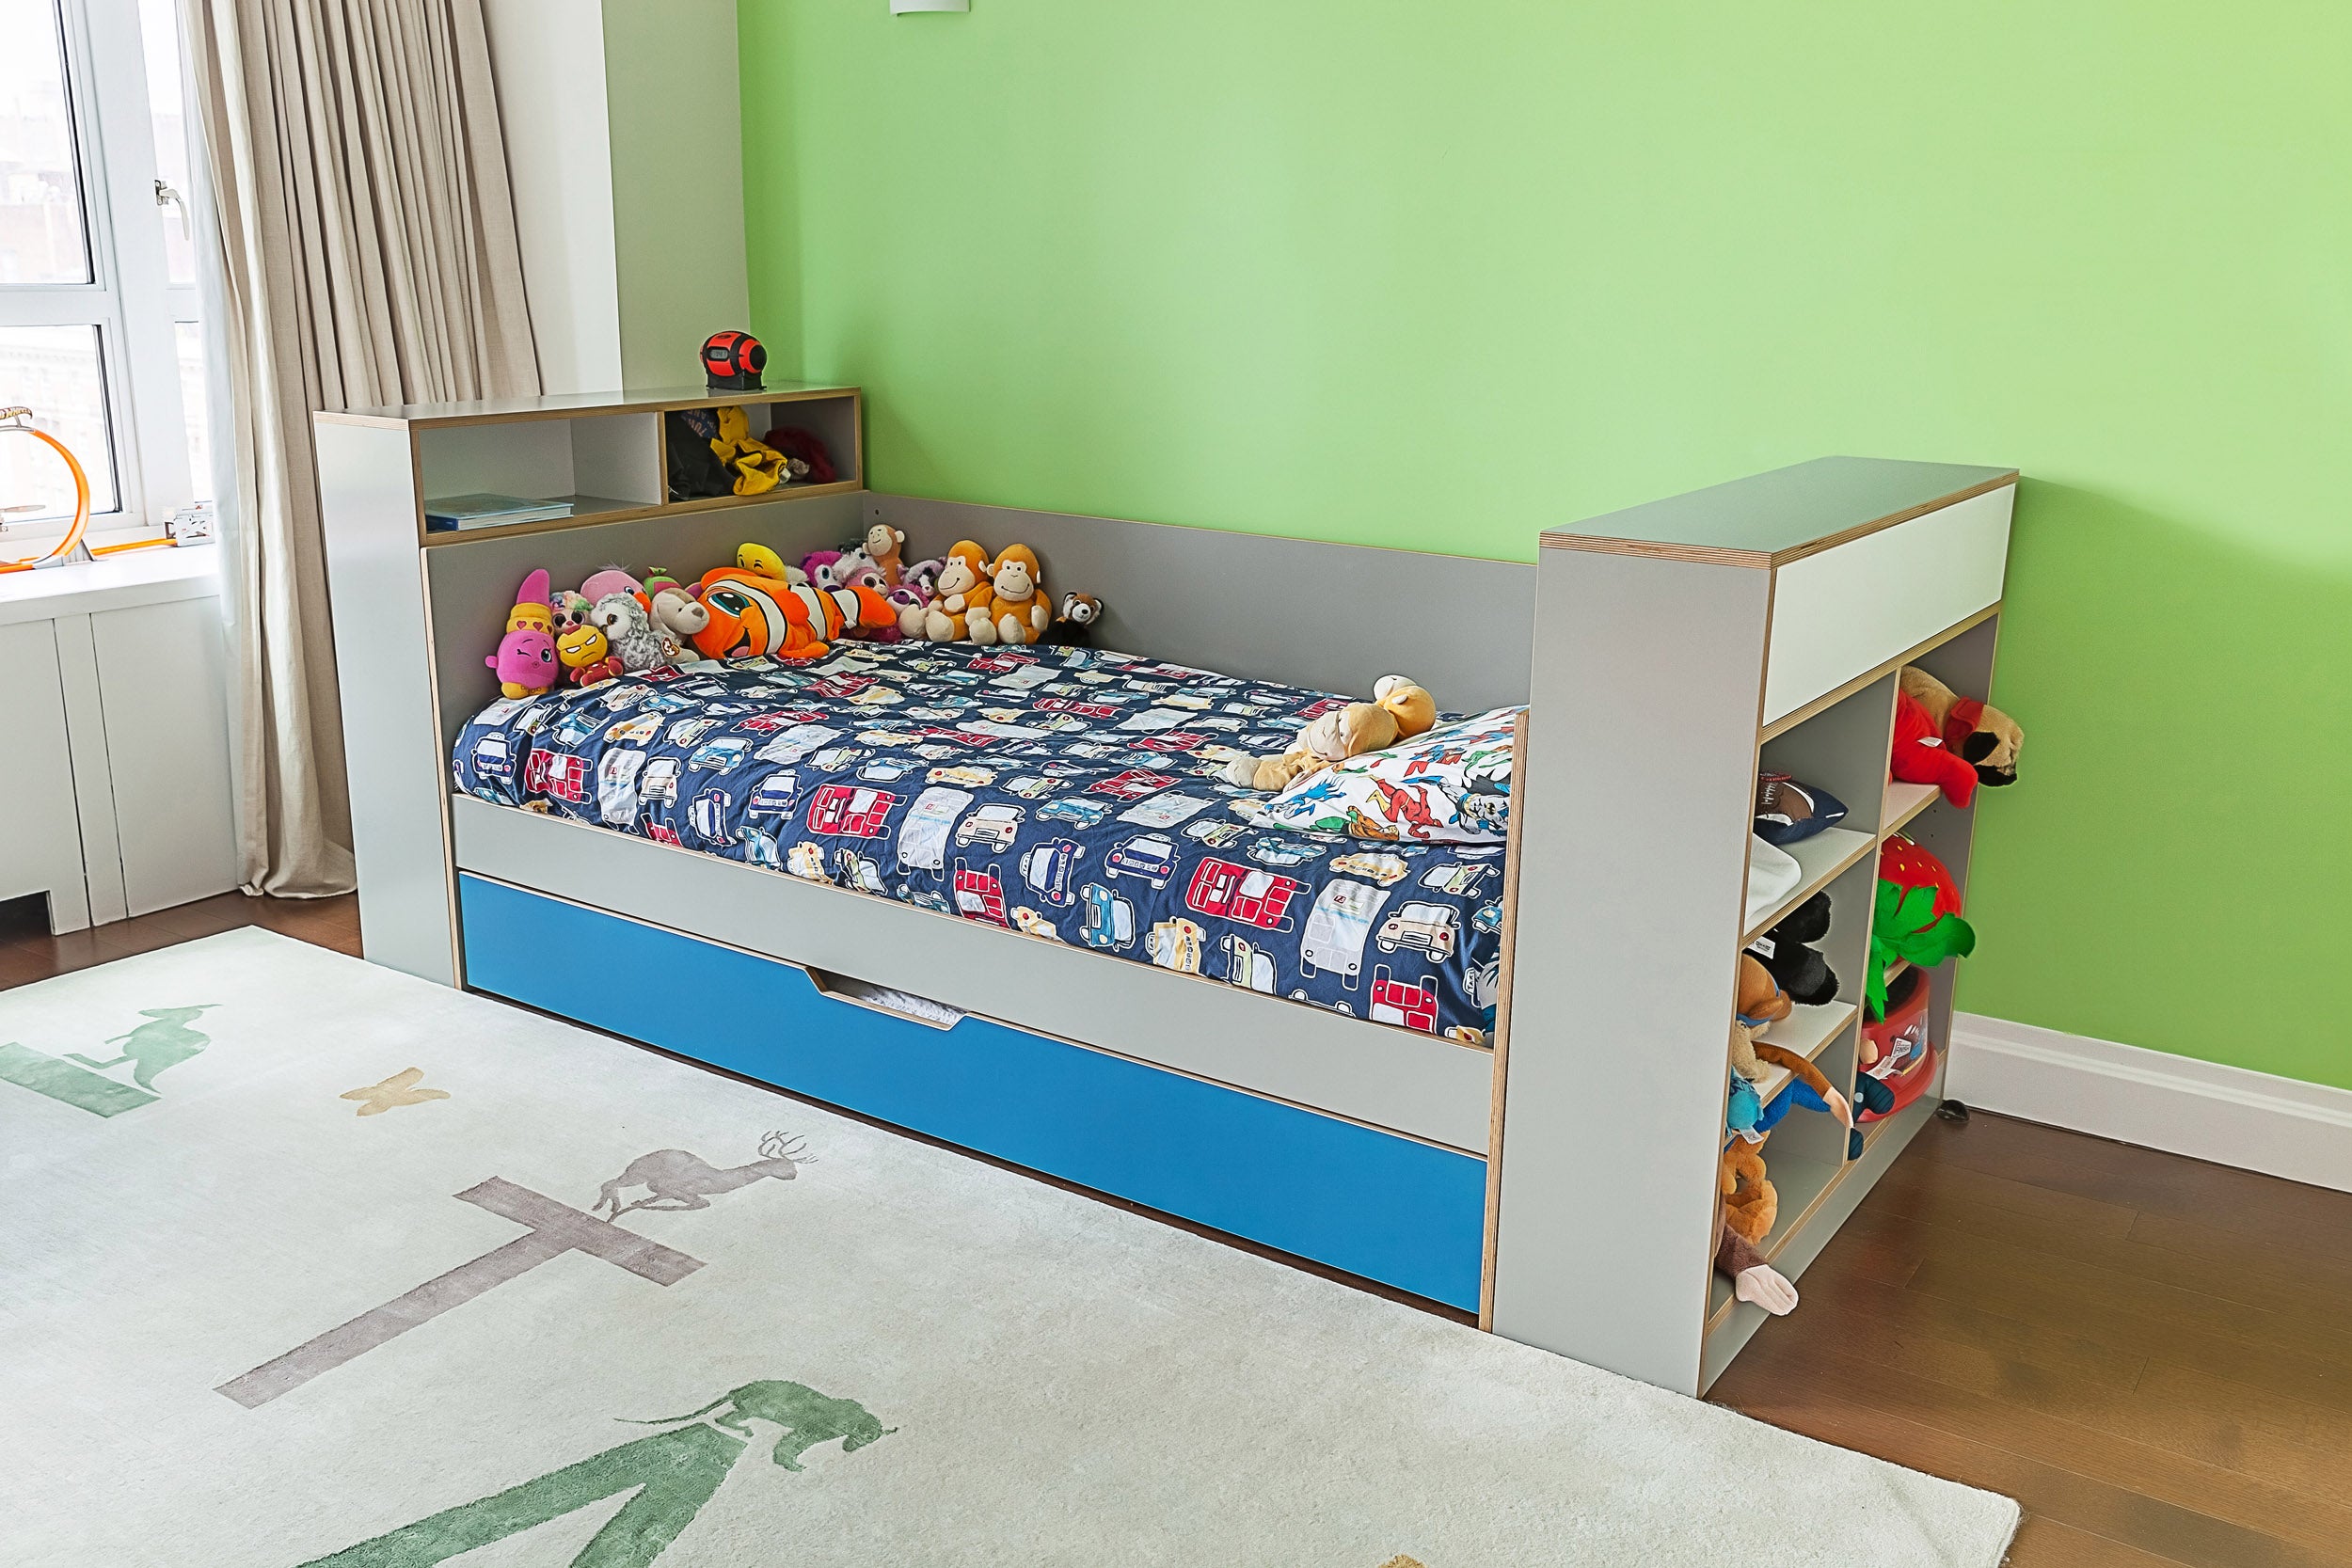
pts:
pixel 617 624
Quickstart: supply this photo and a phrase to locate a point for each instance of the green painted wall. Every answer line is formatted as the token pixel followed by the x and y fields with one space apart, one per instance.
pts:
pixel 1441 275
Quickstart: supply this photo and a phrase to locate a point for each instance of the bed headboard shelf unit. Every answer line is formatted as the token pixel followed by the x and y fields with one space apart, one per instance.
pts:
pixel 1680 647
pixel 1562 1181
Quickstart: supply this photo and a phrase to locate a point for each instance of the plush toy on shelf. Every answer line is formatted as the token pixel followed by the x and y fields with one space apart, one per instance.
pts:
pixel 525 660
pixel 754 466
pixel 1750 1203
pixel 1917 918
pixel 1920 756
pixel 1340 734
pixel 1075 626
pixel 805 452
pixel 1981 735
pixel 1017 611
pixel 1759 1000
pixel 1788 953
pixel 1752 1278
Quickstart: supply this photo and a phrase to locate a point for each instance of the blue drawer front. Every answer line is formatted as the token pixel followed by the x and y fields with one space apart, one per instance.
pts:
pixel 1383 1206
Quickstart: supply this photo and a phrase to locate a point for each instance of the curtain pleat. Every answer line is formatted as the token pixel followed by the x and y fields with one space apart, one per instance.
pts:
pixel 368 256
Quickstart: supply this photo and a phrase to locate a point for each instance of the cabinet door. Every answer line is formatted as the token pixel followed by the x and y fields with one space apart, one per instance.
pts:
pixel 40 838
pixel 167 715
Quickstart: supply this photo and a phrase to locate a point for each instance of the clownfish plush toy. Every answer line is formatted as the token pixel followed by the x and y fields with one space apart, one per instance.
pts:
pixel 752 614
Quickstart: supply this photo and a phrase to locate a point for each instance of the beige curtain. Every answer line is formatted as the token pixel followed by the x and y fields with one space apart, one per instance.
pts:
pixel 367 255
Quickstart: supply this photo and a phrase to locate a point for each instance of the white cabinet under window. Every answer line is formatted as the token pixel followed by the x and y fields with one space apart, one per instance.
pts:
pixel 115 711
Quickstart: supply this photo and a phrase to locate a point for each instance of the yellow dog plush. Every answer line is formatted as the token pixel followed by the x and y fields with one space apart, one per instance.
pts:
pixel 1399 712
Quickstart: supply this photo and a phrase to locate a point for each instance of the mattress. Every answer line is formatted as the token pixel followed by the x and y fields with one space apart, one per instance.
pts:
pixel 1068 794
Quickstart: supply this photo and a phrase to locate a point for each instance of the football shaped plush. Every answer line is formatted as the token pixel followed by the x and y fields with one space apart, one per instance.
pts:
pixel 732 361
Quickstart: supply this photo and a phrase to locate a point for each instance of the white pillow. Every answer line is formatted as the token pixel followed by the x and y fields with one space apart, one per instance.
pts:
pixel 1773 875
pixel 1450 785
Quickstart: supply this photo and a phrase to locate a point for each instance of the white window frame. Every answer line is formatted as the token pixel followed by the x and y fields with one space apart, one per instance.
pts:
pixel 130 298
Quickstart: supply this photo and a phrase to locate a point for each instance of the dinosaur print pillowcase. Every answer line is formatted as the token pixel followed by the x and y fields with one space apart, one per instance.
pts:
pixel 1451 786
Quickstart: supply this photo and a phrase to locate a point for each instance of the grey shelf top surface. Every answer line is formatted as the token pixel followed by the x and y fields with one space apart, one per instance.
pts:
pixel 574 406
pixel 1773 518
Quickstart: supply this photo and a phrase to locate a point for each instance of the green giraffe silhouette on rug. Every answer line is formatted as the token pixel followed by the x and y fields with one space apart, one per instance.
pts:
pixel 673 1474
pixel 150 1047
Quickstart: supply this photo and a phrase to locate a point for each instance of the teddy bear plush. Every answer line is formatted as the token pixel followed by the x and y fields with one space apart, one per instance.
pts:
pixel 1982 736
pixel 962 587
pixel 1399 711
pixel 1017 611
pixel 1750 1203
pixel 1075 626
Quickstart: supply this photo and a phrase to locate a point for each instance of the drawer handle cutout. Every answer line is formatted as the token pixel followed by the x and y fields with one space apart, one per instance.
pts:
pixel 884 999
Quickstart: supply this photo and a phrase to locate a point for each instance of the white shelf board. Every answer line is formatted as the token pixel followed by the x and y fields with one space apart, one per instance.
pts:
pixel 1806 1030
pixel 1819 858
pixel 1903 802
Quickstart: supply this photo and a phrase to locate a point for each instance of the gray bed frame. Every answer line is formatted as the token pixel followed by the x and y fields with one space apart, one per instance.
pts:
pixel 1665 652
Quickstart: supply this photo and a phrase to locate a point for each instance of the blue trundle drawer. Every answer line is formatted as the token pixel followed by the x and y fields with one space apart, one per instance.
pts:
pixel 1385 1207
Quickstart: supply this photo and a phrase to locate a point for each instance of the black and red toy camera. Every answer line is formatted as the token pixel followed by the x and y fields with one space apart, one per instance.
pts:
pixel 732 361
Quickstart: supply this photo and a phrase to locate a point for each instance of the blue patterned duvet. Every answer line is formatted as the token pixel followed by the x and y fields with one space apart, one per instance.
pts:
pixel 1070 794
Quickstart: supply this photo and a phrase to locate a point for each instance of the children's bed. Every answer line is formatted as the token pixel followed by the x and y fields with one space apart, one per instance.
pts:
pixel 1490 1075
pixel 1072 794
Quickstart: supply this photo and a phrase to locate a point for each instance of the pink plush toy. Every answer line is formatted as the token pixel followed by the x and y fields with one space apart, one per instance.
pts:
pixel 819 564
pixel 612 581
pixel 525 660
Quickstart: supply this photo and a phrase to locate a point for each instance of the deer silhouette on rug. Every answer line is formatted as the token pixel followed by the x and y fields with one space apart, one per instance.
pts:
pixel 673 1178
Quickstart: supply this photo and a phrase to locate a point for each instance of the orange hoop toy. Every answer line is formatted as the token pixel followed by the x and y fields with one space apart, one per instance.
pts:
pixel 21 420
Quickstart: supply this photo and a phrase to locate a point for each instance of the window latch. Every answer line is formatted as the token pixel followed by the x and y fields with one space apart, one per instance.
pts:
pixel 166 196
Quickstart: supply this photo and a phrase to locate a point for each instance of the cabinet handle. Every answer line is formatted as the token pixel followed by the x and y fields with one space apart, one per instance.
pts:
pixel 883 999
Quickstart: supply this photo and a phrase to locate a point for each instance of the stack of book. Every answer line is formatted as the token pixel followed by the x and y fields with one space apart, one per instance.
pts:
pixel 487 511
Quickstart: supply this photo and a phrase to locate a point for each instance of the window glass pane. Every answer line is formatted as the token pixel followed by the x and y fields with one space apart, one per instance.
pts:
pixel 40 197
pixel 189 337
pixel 54 371
pixel 159 35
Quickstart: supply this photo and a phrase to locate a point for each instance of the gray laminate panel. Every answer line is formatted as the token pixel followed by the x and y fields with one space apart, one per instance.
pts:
pixel 1371 1072
pixel 1634 824
pixel 1333 617
pixel 1788 507
pixel 368 499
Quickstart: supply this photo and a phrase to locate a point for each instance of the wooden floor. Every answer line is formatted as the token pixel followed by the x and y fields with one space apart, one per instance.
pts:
pixel 2152 1355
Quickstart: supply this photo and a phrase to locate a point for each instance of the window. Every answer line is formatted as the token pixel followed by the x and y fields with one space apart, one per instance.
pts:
pixel 98 300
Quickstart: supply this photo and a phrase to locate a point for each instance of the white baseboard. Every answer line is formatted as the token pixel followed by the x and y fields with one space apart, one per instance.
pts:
pixel 2229 1114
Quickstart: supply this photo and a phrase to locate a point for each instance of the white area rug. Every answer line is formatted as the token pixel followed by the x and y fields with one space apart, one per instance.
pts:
pixel 970 1367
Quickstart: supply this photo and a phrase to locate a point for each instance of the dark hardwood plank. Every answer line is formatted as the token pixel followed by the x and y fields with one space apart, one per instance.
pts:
pixel 1817 1396
pixel 2047 1543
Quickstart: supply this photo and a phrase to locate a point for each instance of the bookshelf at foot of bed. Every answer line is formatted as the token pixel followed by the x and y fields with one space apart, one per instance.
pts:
pixel 1434 1165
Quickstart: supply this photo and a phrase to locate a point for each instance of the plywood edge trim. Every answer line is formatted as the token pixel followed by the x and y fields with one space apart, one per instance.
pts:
pixel 430 540
pixel 1845 536
pixel 985 1017
pixel 584 411
pixel 1704 555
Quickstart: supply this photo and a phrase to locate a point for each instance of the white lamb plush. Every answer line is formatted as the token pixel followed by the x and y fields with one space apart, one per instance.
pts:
pixel 635 639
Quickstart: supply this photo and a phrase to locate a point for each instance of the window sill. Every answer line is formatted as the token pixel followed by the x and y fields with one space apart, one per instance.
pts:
pixel 117 582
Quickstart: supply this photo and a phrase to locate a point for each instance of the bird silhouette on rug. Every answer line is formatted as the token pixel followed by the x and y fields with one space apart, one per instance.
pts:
pixel 399 1089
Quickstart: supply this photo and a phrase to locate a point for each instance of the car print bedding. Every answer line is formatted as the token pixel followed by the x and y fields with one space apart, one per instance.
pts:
pixel 1070 794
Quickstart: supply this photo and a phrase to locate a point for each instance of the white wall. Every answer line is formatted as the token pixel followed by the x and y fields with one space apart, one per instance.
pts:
pixel 624 145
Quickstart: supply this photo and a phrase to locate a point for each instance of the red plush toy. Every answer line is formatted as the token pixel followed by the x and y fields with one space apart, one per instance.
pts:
pixel 1921 757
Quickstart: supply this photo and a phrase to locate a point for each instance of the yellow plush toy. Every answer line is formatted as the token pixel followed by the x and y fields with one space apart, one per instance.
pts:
pixel 1018 610
pixel 1403 710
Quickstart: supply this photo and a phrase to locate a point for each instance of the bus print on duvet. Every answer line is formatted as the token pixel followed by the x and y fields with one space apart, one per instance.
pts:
pixel 1337 928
